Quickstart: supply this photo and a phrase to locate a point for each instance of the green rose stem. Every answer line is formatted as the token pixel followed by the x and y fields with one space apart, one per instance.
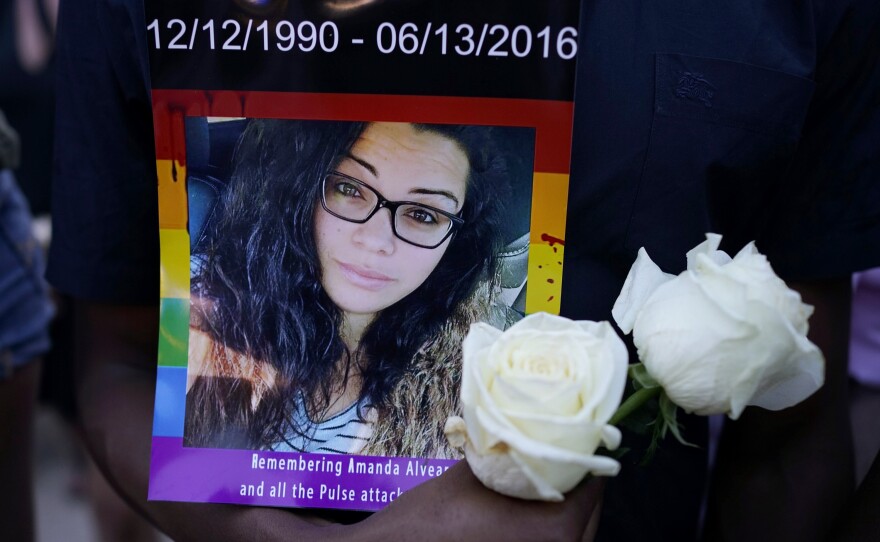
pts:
pixel 633 402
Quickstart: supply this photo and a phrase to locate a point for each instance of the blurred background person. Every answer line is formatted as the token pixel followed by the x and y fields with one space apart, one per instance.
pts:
pixel 27 97
pixel 860 520
pixel 25 311
pixel 27 94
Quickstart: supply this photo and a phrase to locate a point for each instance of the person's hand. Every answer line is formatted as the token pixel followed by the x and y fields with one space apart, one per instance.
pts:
pixel 456 506
pixel 116 384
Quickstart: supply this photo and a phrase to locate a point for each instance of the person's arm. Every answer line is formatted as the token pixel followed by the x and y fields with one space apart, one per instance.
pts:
pixel 859 520
pixel 116 378
pixel 116 385
pixel 784 475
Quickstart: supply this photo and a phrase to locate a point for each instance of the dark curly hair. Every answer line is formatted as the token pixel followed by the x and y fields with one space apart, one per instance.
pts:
pixel 258 290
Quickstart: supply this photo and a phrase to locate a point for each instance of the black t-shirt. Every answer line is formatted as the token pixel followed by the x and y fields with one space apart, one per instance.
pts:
pixel 105 239
pixel 755 120
pixel 750 119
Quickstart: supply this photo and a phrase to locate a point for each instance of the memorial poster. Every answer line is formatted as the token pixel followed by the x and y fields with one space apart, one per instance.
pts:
pixel 344 187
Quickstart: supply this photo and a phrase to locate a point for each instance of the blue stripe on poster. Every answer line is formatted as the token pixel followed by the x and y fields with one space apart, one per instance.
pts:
pixel 170 402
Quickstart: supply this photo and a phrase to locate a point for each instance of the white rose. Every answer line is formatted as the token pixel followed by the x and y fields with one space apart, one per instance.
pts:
pixel 724 334
pixel 536 401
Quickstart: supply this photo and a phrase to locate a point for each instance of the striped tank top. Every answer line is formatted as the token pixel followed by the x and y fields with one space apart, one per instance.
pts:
pixel 342 433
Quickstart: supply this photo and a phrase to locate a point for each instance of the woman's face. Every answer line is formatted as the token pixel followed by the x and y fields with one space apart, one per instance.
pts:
pixel 365 268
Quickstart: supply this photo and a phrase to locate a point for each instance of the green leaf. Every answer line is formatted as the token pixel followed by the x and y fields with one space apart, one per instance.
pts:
pixel 646 408
pixel 665 422
pixel 668 411
pixel 656 437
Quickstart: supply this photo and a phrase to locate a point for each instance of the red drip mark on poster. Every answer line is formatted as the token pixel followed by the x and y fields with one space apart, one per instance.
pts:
pixel 550 240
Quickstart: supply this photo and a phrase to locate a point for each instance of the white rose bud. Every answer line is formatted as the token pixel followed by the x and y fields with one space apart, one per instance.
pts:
pixel 724 334
pixel 536 401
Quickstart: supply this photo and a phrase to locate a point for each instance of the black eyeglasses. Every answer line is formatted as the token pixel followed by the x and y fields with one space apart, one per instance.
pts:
pixel 353 200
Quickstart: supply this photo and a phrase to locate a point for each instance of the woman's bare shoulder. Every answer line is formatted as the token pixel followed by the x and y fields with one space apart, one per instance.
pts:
pixel 209 358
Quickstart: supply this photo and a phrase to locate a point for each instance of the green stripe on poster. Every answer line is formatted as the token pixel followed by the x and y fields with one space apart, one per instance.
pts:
pixel 173 332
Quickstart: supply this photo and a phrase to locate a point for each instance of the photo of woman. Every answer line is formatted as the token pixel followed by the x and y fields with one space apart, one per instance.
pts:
pixel 335 282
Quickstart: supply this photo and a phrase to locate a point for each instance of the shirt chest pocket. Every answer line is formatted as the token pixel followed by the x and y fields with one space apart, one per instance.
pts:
pixel 722 137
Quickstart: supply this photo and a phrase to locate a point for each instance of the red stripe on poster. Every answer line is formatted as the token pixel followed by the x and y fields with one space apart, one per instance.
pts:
pixel 552 120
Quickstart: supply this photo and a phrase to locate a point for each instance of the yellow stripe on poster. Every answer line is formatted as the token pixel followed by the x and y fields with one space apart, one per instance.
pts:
pixel 172 194
pixel 174 265
pixel 546 242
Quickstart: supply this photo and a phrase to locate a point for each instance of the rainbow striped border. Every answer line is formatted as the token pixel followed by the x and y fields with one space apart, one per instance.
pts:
pixel 197 475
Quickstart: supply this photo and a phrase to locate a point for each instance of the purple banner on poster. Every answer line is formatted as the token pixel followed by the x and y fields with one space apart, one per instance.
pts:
pixel 283 478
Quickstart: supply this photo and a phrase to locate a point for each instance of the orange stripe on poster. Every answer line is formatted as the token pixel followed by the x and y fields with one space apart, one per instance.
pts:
pixel 172 194
pixel 546 242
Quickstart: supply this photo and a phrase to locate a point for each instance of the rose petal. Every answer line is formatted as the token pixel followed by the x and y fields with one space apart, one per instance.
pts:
pixel 544 322
pixel 535 402
pixel 475 346
pixel 605 398
pixel 456 431
pixel 794 381
pixel 611 436
pixel 788 367
pixel 728 333
pixel 577 436
pixel 644 277
pixel 682 338
pixel 542 396
pixel 549 356
pixel 502 473
pixel 709 248
pixel 510 436
pixel 564 476
pixel 753 270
